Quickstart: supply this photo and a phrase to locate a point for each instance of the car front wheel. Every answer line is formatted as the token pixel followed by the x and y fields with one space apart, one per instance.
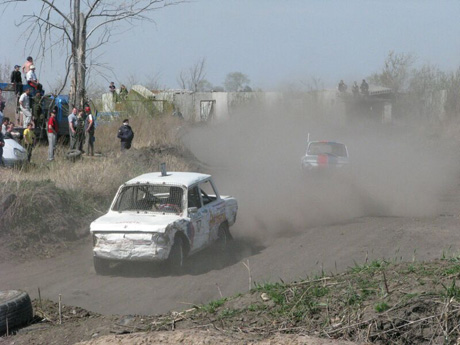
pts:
pixel 101 266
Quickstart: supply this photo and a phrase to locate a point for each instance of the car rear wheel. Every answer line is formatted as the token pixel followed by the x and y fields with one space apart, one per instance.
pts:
pixel 223 237
pixel 101 266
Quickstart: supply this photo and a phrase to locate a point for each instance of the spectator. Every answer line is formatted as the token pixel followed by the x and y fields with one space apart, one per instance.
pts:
pixel 126 135
pixel 364 87
pixel 2 101
pixel 72 127
pixel 32 80
pixel 80 131
pixel 355 89
pixel 89 132
pixel 5 123
pixel 342 86
pixel 16 80
pixel 29 140
pixel 26 67
pixel 24 105
pixel 9 132
pixel 52 135
pixel 2 143
pixel 123 92
pixel 112 87
pixel 37 112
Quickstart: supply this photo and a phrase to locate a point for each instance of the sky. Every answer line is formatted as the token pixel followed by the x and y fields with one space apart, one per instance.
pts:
pixel 274 42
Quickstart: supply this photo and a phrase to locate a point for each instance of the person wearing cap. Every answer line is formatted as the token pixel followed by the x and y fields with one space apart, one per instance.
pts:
pixel 32 80
pixel 52 134
pixel 16 80
pixel 89 131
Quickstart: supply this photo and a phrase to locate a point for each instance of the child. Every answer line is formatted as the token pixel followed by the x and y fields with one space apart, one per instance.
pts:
pixel 29 140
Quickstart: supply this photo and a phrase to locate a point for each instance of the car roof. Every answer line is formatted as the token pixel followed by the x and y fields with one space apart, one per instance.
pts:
pixel 172 177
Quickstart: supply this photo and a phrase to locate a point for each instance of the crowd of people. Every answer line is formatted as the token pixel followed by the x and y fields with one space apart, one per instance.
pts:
pixel 355 89
pixel 81 121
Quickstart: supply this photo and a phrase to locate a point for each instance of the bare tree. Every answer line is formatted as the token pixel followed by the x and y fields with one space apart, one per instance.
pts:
pixel 80 27
pixel 193 78
pixel 396 71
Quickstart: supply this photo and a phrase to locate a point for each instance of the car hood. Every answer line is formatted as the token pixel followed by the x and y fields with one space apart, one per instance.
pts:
pixel 133 222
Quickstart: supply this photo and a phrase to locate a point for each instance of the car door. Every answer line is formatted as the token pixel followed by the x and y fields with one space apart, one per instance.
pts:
pixel 214 207
pixel 199 220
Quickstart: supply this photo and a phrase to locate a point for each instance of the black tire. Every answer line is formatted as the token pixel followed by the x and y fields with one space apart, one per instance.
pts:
pixel 15 310
pixel 176 257
pixel 223 237
pixel 101 266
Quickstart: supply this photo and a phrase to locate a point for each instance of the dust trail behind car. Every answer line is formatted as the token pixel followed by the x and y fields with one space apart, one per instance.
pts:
pixel 394 170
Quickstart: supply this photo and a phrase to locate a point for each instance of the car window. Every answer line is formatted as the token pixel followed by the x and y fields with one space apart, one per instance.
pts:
pixel 208 194
pixel 194 197
pixel 155 198
pixel 326 148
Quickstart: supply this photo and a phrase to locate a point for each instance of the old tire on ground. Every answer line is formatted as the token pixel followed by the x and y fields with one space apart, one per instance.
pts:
pixel 176 256
pixel 73 155
pixel 15 310
pixel 101 266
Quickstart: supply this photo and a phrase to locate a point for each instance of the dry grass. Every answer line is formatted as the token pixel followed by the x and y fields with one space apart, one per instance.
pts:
pixel 99 176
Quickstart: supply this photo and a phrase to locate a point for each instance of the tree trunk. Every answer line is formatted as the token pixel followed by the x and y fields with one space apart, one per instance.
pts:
pixel 81 67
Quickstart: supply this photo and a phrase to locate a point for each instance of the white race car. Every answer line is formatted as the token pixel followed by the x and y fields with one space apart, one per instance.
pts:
pixel 13 153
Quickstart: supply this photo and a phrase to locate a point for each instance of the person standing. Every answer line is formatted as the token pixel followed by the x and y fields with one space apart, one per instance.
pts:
pixel 29 140
pixel 126 135
pixel 2 101
pixel 80 132
pixel 2 143
pixel 16 80
pixel 52 135
pixel 355 89
pixel 364 87
pixel 342 86
pixel 72 127
pixel 89 132
pixel 26 67
pixel 24 105
pixel 123 92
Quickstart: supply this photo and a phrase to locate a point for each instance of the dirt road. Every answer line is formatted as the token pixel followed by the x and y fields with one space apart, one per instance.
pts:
pixel 304 230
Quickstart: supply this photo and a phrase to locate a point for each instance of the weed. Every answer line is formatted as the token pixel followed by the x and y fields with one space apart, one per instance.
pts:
pixel 212 306
pixel 228 313
pixel 381 307
pixel 452 291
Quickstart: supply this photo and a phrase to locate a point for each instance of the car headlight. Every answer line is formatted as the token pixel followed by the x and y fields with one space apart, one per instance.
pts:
pixel 18 153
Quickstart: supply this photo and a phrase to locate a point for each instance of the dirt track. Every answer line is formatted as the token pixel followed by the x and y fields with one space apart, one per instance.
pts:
pixel 283 250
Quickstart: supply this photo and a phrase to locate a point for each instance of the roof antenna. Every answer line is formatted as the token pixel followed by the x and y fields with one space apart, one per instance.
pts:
pixel 308 137
pixel 163 169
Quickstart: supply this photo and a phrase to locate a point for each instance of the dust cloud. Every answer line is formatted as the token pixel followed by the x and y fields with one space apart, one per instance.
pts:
pixel 395 169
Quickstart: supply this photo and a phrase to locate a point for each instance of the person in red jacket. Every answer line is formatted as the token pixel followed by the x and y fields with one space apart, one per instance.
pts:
pixel 52 135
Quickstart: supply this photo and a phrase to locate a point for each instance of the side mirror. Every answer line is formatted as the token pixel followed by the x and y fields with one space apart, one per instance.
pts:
pixel 192 210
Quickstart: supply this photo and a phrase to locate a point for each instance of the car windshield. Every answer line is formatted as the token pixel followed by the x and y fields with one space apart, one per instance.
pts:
pixel 326 148
pixel 153 198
